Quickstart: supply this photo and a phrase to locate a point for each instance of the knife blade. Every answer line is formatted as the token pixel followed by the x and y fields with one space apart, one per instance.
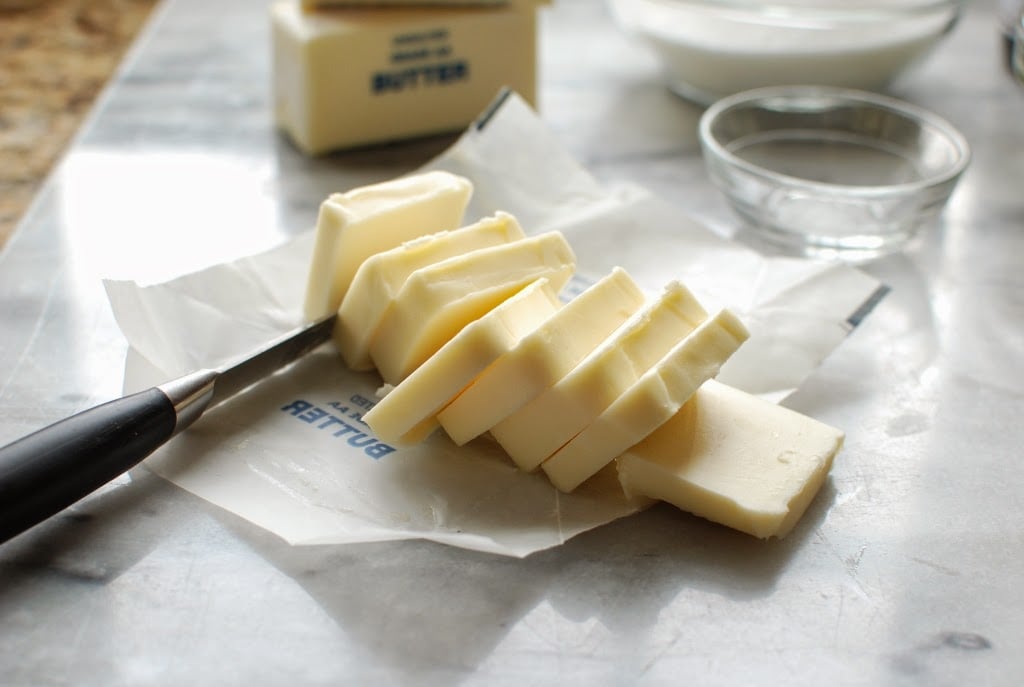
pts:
pixel 50 469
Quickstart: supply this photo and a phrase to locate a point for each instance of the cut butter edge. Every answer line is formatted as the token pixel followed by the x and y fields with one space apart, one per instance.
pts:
pixel 734 459
pixel 380 278
pixel 648 403
pixel 359 223
pixel 408 413
pixel 540 427
pixel 542 357
pixel 438 300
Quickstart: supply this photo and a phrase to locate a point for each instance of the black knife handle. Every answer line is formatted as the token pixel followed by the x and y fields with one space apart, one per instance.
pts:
pixel 52 468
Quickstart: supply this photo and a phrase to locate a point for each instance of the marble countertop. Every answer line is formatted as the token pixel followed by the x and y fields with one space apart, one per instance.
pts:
pixel 905 571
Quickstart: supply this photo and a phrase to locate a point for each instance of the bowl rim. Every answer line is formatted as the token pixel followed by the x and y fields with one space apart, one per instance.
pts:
pixel 838 95
pixel 788 8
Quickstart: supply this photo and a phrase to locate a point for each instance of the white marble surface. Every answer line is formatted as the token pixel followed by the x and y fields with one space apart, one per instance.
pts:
pixel 905 571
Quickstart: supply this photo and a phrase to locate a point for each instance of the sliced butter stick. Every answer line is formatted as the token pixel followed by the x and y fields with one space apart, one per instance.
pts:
pixel 649 403
pixel 352 77
pixel 408 413
pixel 541 426
pixel 438 300
pixel 353 226
pixel 379 279
pixel 735 459
pixel 542 357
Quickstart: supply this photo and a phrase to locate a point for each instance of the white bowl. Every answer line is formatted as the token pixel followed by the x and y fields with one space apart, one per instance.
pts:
pixel 709 49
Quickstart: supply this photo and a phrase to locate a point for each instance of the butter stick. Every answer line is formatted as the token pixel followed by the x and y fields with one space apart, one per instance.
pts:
pixel 350 77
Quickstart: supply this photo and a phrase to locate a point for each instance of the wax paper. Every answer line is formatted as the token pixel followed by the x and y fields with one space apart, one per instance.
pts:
pixel 292 455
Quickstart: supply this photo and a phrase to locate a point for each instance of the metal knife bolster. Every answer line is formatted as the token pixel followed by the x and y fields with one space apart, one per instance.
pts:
pixel 194 393
pixel 50 469
pixel 190 395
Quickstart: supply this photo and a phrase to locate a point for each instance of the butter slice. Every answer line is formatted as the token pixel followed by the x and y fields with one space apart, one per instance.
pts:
pixel 360 76
pixel 438 300
pixel 735 459
pixel 649 403
pixel 381 276
pixel 354 225
pixel 408 413
pixel 543 425
pixel 542 357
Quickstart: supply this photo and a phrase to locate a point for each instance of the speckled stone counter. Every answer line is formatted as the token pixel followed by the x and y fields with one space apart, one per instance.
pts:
pixel 55 58
pixel 905 571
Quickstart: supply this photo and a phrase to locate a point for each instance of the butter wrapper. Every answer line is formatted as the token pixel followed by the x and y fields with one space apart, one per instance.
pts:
pixel 292 454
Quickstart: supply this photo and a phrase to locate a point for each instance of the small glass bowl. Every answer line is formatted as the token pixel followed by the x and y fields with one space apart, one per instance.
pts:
pixel 709 49
pixel 1017 52
pixel 829 171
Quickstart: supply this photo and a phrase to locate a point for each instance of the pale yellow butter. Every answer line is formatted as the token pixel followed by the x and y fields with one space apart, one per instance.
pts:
pixel 541 426
pixel 735 459
pixel 656 396
pixel 381 276
pixel 438 300
pixel 408 413
pixel 311 5
pixel 542 357
pixel 357 76
pixel 354 225
pixel 361 222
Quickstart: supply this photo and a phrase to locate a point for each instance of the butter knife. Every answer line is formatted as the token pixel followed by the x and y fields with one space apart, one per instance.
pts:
pixel 50 469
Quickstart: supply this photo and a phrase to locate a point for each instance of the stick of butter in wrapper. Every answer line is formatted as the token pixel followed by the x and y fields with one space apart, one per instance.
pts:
pixel 313 5
pixel 350 77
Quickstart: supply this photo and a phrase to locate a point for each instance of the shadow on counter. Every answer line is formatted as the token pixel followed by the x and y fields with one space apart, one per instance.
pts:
pixel 442 609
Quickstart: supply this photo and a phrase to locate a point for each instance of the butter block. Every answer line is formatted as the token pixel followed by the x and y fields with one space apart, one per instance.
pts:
pixel 310 5
pixel 314 5
pixel 354 225
pixel 379 279
pixel 408 413
pixel 357 76
pixel 543 357
pixel 656 396
pixel 438 300
pixel 735 459
pixel 543 425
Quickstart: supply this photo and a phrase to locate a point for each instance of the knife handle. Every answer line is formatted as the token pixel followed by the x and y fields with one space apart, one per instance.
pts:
pixel 52 468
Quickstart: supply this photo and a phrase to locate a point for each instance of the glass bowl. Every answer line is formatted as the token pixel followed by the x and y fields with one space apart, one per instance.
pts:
pixel 712 48
pixel 1017 51
pixel 831 171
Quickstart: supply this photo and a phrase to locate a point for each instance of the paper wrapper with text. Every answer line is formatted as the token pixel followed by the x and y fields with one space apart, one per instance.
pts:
pixel 292 455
